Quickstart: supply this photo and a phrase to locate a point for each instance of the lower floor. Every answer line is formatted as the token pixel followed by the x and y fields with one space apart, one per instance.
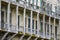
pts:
pixel 13 36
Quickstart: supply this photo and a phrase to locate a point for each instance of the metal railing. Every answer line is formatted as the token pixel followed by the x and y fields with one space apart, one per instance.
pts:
pixel 5 27
pixel 21 28
pixel 52 35
pixel 13 28
pixel 28 30
pixel 47 36
pixel 34 31
pixel 21 3
pixel 41 34
pixel 27 4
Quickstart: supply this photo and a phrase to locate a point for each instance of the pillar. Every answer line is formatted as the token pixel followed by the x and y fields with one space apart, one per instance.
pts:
pixel 44 25
pixel 17 19
pixel 49 27
pixel 24 18
pixel 8 16
pixel 46 30
pixel 31 21
pixel 0 14
pixel 54 29
pixel 38 23
pixel 59 26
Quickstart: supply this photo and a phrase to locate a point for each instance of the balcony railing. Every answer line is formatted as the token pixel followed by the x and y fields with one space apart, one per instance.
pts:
pixel 21 29
pixel 48 36
pixel 34 31
pixel 13 28
pixel 28 30
pixel 41 34
pixel 21 3
pixel 5 27
pixel 52 35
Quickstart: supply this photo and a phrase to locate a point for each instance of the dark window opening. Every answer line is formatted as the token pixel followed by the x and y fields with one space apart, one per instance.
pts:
pixel 28 24
pixel 2 19
pixel 55 31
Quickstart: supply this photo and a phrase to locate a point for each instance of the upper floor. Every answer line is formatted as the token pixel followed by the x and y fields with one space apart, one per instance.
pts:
pixel 50 8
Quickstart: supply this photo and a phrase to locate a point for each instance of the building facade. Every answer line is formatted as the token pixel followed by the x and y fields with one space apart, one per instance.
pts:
pixel 29 20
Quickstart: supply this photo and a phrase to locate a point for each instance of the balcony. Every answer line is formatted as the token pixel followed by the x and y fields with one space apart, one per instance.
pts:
pixel 21 29
pixel 23 4
pixel 42 35
pixel 52 36
pixel 11 28
pixel 57 15
pixel 4 26
pixel 28 30
pixel 34 31
pixel 48 36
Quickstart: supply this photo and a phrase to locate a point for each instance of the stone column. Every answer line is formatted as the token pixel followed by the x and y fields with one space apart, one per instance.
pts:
pixel 44 25
pixel 31 21
pixel 49 27
pixel 8 16
pixel 38 23
pixel 24 18
pixel 59 26
pixel 54 29
pixel 0 14
pixel 16 19
pixel 46 30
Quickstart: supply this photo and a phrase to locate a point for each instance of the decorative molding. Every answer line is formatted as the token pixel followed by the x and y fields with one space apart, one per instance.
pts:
pixel 58 1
